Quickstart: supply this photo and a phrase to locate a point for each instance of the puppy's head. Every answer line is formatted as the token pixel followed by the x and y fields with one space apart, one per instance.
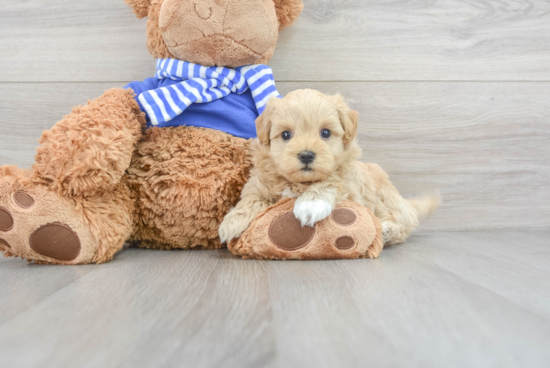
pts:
pixel 308 135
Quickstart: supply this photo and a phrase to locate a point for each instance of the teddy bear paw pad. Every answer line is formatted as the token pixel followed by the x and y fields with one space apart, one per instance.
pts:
pixel 41 226
pixel 287 233
pixel 6 220
pixel 23 200
pixel 56 241
pixel 344 216
pixel 345 242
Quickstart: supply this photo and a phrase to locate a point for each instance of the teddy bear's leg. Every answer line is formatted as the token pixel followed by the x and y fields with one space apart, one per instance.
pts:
pixel 90 149
pixel 351 231
pixel 75 205
pixel 186 180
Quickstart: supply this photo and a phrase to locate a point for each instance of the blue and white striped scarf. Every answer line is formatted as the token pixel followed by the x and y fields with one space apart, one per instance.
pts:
pixel 201 84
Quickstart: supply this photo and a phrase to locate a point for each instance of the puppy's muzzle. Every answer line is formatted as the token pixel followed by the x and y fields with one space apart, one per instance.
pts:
pixel 306 157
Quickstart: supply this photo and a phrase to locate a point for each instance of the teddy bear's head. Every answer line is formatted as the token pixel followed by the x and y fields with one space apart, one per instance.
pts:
pixel 229 33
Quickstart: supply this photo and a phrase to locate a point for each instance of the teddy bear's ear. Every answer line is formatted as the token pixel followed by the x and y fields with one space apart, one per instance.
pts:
pixel 288 11
pixel 141 7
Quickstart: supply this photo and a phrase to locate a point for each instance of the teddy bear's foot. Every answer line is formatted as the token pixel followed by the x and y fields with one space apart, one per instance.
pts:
pixel 351 231
pixel 40 226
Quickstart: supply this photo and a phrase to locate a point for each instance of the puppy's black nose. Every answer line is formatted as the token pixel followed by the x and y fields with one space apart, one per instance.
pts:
pixel 307 157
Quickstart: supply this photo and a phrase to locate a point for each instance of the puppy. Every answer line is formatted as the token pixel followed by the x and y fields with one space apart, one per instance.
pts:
pixel 306 149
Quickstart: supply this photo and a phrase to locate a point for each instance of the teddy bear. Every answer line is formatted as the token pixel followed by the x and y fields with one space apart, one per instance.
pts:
pixel 160 162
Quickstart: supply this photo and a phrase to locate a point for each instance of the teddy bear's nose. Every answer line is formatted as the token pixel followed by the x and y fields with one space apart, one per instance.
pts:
pixel 204 12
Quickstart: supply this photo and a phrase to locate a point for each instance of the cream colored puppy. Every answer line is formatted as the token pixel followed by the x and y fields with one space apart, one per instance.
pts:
pixel 306 149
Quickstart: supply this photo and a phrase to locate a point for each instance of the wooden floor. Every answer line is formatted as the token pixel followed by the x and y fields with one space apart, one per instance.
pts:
pixel 479 299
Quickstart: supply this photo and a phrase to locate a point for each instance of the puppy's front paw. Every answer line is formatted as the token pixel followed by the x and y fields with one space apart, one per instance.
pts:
pixel 231 228
pixel 287 193
pixel 310 212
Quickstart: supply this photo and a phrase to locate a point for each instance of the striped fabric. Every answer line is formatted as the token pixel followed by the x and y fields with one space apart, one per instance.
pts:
pixel 201 84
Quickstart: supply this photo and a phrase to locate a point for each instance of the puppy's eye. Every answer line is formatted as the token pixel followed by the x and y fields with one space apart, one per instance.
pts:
pixel 286 135
pixel 325 133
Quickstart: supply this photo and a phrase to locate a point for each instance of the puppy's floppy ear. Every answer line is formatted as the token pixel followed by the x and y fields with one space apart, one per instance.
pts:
pixel 263 127
pixel 141 7
pixel 348 118
pixel 288 11
pixel 264 121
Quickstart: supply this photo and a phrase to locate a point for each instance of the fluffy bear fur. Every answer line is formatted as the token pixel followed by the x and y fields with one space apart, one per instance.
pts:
pixel 189 185
pixel 101 174
pixel 187 19
pixel 90 149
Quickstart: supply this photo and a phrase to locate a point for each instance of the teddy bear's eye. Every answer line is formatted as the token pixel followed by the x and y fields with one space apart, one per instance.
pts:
pixel 286 135
pixel 325 133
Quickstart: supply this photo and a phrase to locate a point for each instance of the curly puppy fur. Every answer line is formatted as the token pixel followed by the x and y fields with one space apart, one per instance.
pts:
pixel 294 125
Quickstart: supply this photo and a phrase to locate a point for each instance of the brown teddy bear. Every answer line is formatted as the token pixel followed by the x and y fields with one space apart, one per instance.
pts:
pixel 161 161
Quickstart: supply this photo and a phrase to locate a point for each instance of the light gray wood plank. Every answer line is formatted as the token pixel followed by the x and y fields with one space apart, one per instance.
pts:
pixel 398 311
pixel 484 145
pixel 99 40
pixel 148 309
pixel 5 260
pixel 421 40
pixel 24 285
pixel 409 308
pixel 502 262
pixel 64 40
pixel 537 241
